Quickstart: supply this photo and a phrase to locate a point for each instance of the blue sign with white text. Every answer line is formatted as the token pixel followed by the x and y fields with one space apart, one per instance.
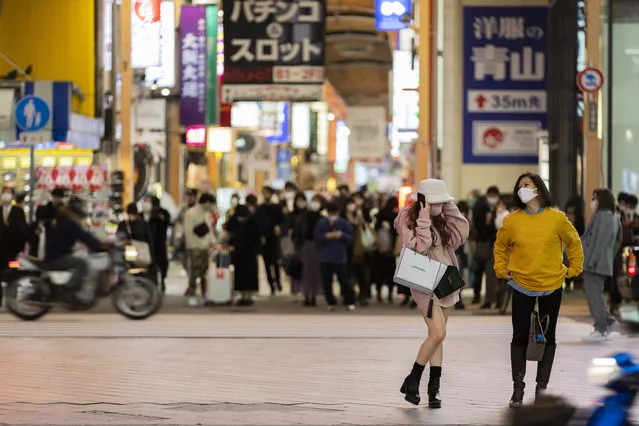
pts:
pixel 389 13
pixel 283 123
pixel 505 83
pixel 32 113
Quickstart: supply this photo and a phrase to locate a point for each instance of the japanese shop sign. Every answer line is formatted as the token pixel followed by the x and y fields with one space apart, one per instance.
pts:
pixel 193 65
pixel 505 89
pixel 389 14
pixel 146 34
pixel 273 50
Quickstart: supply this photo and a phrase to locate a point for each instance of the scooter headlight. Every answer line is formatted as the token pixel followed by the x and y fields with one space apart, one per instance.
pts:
pixel 602 370
pixel 131 254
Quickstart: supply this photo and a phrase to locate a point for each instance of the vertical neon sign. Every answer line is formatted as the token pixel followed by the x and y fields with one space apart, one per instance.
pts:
pixel 220 49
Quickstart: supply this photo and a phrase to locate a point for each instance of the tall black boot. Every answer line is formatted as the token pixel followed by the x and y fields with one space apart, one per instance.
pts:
pixel 544 368
pixel 434 400
pixel 410 387
pixel 518 366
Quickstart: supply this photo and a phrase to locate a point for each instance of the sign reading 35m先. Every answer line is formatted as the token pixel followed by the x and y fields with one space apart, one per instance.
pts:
pixel 274 50
pixel 505 89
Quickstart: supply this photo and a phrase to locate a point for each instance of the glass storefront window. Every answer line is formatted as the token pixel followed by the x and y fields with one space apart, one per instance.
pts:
pixel 624 119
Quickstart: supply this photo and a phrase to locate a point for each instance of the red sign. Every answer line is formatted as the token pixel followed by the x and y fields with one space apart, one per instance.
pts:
pixel 78 178
pixel 196 136
pixel 493 137
pixel 148 10
pixel 590 80
pixel 249 75
pixel 225 109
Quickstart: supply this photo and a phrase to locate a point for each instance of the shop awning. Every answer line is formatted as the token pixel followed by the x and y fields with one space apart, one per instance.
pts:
pixel 358 57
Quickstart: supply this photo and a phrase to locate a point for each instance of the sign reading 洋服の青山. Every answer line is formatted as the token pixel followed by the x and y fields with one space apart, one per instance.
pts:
pixel 505 90
pixel 193 65
pixel 274 50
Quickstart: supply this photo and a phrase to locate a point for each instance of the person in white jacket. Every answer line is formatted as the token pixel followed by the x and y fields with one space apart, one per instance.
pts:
pixel 199 234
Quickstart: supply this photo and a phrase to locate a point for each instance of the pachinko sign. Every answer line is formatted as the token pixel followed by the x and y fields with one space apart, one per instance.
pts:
pixel 77 178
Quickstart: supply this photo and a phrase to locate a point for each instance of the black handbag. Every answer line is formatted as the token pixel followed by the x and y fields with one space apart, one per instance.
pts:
pixel 451 282
pixel 537 337
pixel 201 230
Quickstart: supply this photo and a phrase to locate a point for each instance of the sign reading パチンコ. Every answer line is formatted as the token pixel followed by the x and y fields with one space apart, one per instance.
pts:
pixel 274 50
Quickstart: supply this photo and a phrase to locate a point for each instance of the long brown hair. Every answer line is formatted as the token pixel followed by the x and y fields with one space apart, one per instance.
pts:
pixel 438 223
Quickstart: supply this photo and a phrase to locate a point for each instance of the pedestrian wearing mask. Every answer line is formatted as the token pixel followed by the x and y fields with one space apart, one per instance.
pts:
pixel 485 232
pixel 528 253
pixel 334 236
pixel 363 244
pixel 304 240
pixel 159 221
pixel 271 216
pixel 435 227
pixel 200 241
pixel 179 234
pixel 601 241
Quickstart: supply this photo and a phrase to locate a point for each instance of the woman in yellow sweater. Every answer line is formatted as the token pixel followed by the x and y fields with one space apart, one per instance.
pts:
pixel 529 253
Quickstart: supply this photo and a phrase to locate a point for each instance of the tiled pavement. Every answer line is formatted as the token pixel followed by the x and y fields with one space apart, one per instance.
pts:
pixel 89 369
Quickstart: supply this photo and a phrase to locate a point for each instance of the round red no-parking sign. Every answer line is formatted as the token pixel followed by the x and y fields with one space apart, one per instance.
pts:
pixel 590 80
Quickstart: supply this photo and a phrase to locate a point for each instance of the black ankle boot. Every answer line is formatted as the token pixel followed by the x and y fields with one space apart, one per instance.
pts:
pixel 544 368
pixel 518 366
pixel 434 401
pixel 410 389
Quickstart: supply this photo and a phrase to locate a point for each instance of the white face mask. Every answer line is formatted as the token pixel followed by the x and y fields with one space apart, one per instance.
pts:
pixel 275 199
pixel 6 198
pixel 301 205
pixel 316 206
pixel 234 202
pixel 147 207
pixel 527 194
pixel 594 205
pixel 492 201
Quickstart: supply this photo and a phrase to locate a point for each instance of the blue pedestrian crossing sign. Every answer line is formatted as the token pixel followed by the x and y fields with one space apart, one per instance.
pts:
pixel 32 113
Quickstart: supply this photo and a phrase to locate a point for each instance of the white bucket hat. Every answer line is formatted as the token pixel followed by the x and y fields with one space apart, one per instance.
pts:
pixel 434 190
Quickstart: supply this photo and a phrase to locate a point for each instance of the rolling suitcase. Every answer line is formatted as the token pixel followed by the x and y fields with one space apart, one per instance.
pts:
pixel 220 285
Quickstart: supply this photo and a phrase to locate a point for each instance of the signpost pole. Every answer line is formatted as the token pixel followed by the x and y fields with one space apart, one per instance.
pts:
pixel 32 183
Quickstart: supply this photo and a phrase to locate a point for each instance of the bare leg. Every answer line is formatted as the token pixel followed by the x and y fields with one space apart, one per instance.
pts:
pixel 438 357
pixel 436 335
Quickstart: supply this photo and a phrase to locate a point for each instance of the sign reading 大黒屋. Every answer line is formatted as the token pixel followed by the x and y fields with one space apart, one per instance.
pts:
pixel 274 50
pixel 505 89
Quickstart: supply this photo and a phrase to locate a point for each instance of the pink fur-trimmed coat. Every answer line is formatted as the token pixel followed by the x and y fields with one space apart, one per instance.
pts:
pixel 420 239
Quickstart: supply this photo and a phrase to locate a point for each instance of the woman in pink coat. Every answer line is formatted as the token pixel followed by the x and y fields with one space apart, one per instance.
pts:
pixel 434 227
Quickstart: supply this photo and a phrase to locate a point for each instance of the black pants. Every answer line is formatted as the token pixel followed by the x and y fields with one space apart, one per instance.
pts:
pixel 523 306
pixel 385 266
pixel 612 286
pixel 360 273
pixel 478 271
pixel 270 255
pixel 328 270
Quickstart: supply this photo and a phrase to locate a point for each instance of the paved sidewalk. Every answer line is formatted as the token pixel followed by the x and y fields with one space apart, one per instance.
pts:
pixel 268 369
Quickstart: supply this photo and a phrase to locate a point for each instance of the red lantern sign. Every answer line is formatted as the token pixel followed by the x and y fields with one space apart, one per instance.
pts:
pixel 148 10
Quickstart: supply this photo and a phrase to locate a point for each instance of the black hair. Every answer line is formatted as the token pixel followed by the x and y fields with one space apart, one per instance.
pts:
pixel 290 185
pixel 622 197
pixel 632 200
pixel 235 195
pixel 332 207
pixel 251 200
pixel 207 198
pixel 542 191
pixel 155 201
pixel 132 208
pixel 493 190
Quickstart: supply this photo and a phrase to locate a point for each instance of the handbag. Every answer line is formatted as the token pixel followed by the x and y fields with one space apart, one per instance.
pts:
pixel 287 246
pixel 201 230
pixel 368 239
pixel 451 282
pixel 141 248
pixel 537 337
pixel 418 272
pixel 483 251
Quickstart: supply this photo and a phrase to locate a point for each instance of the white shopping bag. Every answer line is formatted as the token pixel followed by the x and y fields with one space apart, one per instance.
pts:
pixel 417 271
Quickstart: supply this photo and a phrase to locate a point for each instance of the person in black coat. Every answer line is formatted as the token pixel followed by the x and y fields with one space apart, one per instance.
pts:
pixel 271 217
pixel 13 230
pixel 159 221
pixel 244 239
pixel 134 228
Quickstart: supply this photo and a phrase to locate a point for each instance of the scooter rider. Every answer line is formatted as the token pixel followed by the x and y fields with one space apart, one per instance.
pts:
pixel 63 234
